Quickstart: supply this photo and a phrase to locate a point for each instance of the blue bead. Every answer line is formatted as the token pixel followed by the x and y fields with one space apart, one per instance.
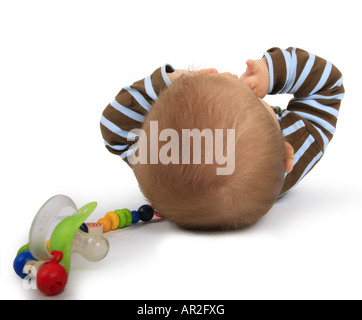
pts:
pixel 146 212
pixel 84 228
pixel 20 261
pixel 135 216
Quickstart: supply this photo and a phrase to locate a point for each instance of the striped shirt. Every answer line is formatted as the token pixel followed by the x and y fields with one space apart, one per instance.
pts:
pixel 308 123
pixel 129 109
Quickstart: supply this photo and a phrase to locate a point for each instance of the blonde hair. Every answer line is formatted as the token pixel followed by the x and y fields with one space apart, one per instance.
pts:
pixel 192 195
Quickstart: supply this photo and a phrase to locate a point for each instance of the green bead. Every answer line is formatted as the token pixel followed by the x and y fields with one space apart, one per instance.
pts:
pixel 129 216
pixel 122 218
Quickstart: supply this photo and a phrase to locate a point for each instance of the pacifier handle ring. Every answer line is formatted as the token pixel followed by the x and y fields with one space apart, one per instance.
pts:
pixel 89 206
pixel 43 220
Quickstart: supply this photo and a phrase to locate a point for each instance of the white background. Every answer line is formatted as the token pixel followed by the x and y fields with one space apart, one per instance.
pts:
pixel 62 62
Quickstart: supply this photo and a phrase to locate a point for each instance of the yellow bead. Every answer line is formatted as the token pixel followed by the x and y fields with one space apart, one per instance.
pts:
pixel 114 219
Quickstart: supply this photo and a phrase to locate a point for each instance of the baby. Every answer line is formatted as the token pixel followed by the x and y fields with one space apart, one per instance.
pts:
pixel 268 150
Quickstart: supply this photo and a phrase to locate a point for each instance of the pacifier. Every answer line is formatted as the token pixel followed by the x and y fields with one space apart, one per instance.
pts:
pixel 53 236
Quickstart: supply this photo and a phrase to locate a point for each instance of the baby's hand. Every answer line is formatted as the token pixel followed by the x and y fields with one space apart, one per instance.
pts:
pixel 256 77
pixel 180 72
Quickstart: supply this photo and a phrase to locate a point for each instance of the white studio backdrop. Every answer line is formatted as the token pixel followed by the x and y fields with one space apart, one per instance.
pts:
pixel 60 65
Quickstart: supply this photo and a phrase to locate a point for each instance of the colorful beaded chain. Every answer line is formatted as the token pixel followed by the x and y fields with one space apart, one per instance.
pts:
pixel 121 218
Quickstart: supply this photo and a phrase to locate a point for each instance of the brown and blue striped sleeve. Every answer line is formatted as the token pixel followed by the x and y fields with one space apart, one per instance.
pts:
pixel 129 109
pixel 309 121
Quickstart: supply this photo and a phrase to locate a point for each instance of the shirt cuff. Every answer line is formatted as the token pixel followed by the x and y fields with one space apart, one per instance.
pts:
pixel 167 68
pixel 271 71
pixel 277 70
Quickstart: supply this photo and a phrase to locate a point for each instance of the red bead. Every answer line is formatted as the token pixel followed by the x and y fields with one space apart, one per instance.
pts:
pixel 51 278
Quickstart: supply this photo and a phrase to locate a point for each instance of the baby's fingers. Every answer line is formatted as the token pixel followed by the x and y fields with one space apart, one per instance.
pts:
pixel 206 71
pixel 252 67
pixel 229 74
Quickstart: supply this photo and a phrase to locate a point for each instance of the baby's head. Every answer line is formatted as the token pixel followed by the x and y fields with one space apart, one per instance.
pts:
pixel 195 195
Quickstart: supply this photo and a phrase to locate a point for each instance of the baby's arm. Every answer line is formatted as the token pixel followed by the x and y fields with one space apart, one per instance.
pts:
pixel 316 85
pixel 129 109
pixel 309 121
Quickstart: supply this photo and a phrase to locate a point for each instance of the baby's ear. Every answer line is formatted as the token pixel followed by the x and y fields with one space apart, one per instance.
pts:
pixel 289 157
